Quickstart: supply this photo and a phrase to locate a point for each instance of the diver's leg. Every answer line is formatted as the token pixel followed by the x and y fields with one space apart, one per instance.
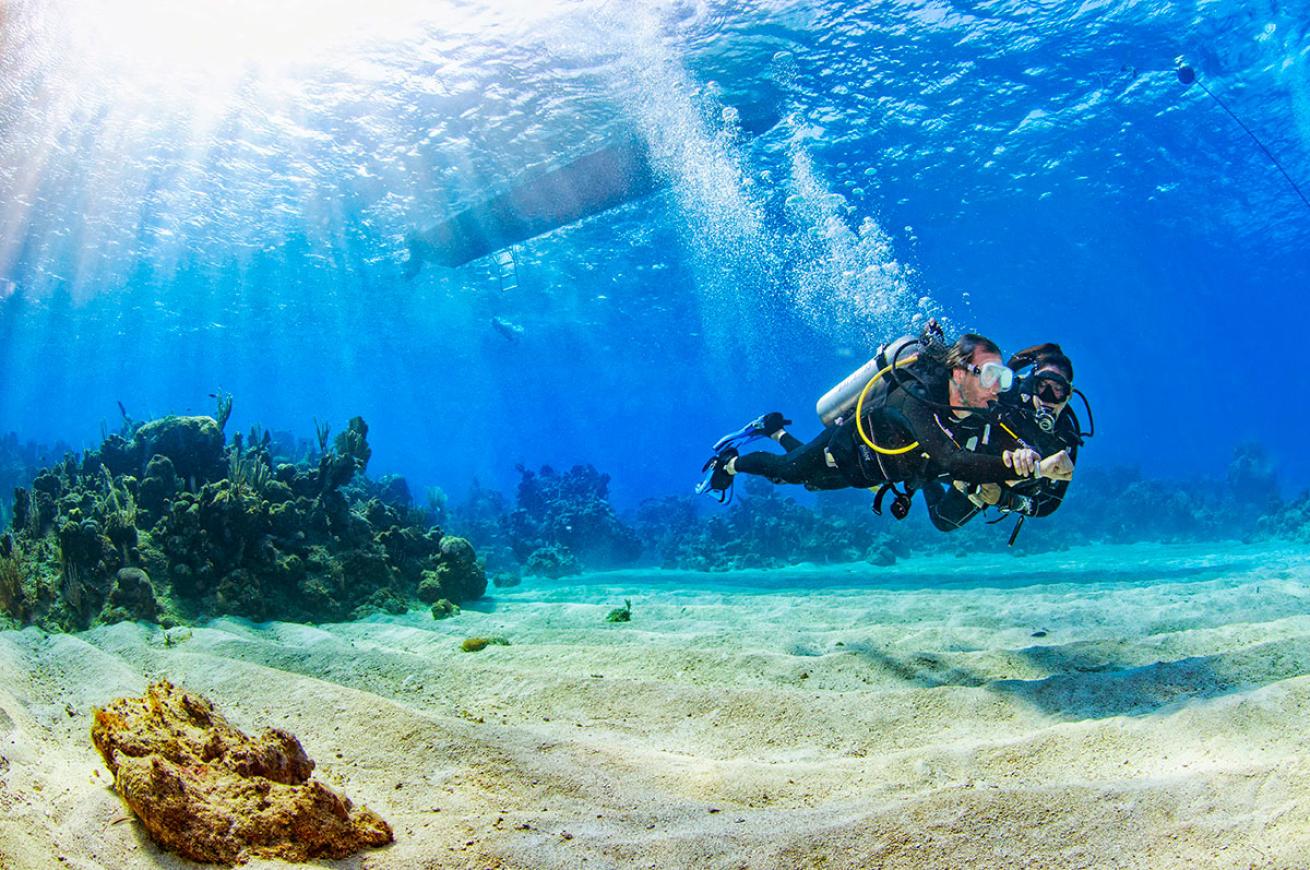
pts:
pixel 805 463
pixel 721 467
pixel 774 425
pixel 788 441
pixel 833 480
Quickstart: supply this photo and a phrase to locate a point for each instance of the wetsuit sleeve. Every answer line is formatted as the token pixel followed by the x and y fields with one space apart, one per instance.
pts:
pixel 1034 501
pixel 1051 495
pixel 945 458
pixel 1043 499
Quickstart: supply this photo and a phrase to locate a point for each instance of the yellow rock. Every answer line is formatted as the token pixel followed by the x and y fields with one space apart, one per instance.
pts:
pixel 209 792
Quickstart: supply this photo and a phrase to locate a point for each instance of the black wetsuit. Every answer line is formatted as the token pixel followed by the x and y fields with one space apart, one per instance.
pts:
pixel 839 458
pixel 950 508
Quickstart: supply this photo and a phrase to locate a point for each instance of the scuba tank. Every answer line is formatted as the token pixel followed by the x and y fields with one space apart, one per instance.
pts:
pixel 840 401
pixel 871 382
pixel 868 387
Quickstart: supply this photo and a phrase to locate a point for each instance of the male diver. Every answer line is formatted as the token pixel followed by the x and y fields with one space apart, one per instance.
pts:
pixel 1035 413
pixel 906 431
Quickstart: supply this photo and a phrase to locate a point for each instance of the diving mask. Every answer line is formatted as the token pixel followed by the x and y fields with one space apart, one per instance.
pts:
pixel 991 374
pixel 1052 387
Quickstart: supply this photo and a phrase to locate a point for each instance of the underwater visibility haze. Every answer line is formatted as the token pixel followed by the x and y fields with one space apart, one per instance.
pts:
pixel 212 198
pixel 494 276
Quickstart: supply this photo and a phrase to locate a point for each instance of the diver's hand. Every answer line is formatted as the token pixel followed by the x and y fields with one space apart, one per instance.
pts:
pixel 1024 461
pixel 980 494
pixel 1057 466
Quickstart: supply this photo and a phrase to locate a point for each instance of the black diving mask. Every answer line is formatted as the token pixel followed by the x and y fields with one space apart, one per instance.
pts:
pixel 1052 387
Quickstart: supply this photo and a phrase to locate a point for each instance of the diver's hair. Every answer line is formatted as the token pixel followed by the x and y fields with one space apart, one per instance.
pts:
pixel 966 346
pixel 1055 360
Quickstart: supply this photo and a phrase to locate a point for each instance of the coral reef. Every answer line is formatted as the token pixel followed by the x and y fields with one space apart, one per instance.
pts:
pixel 207 791
pixel 1290 521
pixel 572 514
pixel 173 523
pixel 167 521
pixel 458 574
pixel 483 518
pixel 1252 478
pixel 443 609
pixel 132 597
pixel 193 444
pixel 553 561
pixel 560 525
pixel 669 526
pixel 505 579
pixel 20 463
pixel 765 529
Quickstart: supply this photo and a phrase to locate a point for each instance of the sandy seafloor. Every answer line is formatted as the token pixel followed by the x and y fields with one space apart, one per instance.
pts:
pixel 845 716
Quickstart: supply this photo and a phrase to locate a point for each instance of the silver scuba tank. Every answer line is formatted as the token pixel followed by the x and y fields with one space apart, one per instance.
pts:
pixel 840 401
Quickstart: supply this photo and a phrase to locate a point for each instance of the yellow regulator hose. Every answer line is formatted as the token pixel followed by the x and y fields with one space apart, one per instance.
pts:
pixel 859 413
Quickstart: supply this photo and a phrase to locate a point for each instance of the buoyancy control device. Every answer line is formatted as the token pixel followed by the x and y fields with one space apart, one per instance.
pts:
pixel 908 358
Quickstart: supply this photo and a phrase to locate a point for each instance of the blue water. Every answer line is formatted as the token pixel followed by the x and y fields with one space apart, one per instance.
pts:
pixel 216 199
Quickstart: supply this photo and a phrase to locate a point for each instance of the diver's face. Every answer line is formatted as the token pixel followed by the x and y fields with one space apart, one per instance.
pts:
pixel 973 392
pixel 1051 395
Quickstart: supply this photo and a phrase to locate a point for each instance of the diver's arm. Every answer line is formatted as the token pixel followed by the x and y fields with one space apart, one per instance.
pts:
pixel 948 507
pixel 1041 498
pixel 1057 466
pixel 946 457
pixel 1033 498
pixel 1050 498
pixel 1051 494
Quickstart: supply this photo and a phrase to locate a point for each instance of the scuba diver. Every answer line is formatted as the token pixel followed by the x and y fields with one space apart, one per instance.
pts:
pixel 904 426
pixel 1036 413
